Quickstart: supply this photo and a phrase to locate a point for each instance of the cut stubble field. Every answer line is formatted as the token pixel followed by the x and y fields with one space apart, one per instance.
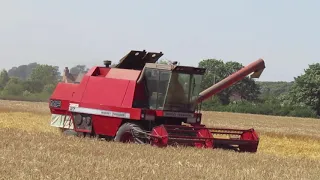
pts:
pixel 30 149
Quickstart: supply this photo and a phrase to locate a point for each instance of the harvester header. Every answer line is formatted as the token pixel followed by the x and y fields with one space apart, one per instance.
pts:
pixel 142 101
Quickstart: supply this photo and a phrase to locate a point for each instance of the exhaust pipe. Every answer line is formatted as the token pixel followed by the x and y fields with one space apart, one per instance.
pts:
pixel 255 67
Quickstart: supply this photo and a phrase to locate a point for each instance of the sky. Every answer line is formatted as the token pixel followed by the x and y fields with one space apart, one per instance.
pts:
pixel 285 33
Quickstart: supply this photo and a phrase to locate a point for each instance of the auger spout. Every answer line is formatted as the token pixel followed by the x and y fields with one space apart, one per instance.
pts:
pixel 255 67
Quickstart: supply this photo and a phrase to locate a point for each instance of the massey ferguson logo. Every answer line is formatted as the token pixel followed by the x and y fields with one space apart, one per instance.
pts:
pixel 178 114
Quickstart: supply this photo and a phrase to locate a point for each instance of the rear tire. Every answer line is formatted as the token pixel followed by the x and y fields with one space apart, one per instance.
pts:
pixel 124 133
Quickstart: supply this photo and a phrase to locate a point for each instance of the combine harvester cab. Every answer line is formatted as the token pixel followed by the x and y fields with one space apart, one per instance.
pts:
pixel 142 101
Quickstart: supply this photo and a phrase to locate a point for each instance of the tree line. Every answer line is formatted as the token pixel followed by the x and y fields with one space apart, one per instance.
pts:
pixel 32 82
pixel 300 98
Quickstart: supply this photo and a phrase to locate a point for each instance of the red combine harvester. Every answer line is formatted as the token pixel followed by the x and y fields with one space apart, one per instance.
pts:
pixel 142 101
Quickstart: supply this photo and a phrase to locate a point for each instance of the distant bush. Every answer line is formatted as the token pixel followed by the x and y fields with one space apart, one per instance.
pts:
pixel 26 93
pixel 26 96
pixel 49 88
pixel 13 87
pixel 270 107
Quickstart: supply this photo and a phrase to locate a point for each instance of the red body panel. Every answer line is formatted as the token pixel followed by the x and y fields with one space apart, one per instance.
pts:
pixel 106 125
pixel 101 89
pixel 127 74
pixel 139 95
pixel 129 95
pixel 104 91
pixel 77 94
pixel 64 93
pixel 103 71
pixel 139 92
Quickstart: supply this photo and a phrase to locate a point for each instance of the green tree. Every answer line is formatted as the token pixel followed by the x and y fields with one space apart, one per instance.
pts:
pixel 248 89
pixel 4 78
pixel 46 74
pixel 33 86
pixel 22 72
pixel 274 89
pixel 306 88
pixel 215 71
pixel 13 87
pixel 78 69
pixel 49 88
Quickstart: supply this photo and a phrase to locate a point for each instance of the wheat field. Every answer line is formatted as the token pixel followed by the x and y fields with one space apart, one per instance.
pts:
pixel 30 149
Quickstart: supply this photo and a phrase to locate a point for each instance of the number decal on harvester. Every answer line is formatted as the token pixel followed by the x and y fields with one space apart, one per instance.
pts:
pixel 55 103
pixel 73 106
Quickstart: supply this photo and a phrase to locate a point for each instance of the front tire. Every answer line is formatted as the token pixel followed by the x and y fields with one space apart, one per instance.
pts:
pixel 125 133
pixel 67 132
